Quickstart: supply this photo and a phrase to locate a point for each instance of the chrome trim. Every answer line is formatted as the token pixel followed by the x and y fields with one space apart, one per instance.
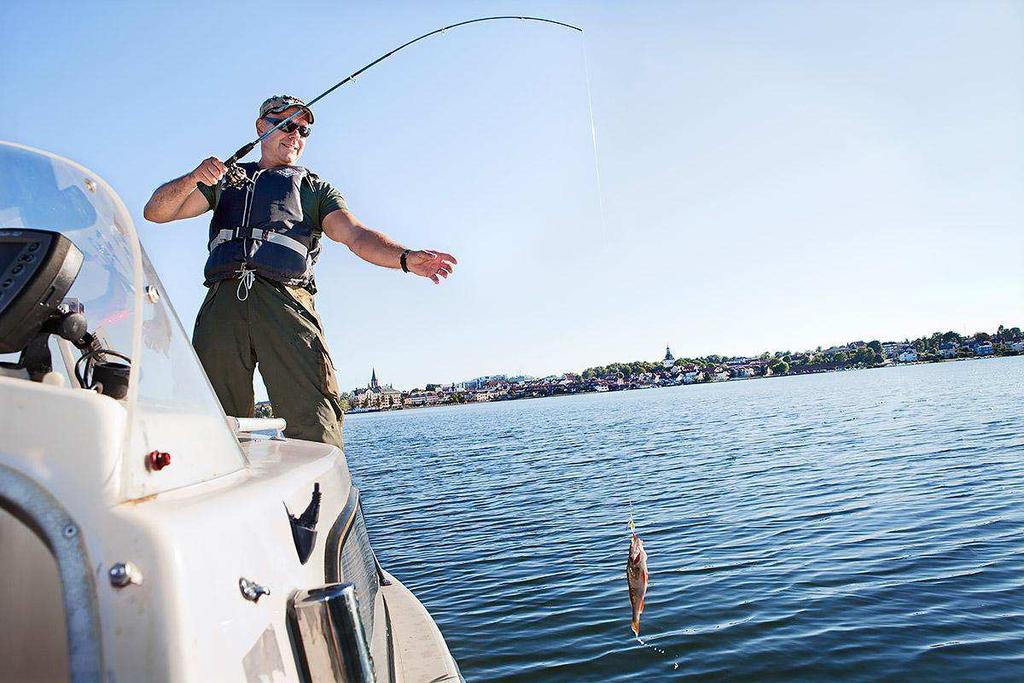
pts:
pixel 337 535
pixel 36 508
pixel 391 638
pixel 125 574
pixel 251 590
pixel 328 635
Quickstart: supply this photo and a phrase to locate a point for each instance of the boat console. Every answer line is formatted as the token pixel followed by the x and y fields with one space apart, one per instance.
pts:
pixel 37 268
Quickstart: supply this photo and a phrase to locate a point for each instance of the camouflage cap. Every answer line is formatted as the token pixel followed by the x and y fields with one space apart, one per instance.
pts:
pixel 275 104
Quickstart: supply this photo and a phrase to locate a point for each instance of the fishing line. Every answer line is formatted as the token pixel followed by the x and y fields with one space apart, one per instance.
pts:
pixel 593 138
pixel 603 212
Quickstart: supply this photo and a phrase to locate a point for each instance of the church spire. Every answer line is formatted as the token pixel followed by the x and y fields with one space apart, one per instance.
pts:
pixel 374 384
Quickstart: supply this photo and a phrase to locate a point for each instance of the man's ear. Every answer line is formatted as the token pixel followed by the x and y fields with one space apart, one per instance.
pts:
pixel 260 126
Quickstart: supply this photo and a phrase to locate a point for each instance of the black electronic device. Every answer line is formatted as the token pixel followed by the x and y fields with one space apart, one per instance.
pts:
pixel 37 268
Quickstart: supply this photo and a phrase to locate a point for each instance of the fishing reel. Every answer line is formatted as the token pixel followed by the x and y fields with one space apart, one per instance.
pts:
pixel 235 177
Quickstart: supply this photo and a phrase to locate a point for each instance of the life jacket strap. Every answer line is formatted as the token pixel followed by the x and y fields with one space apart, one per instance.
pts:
pixel 220 238
pixel 265 235
pixel 283 240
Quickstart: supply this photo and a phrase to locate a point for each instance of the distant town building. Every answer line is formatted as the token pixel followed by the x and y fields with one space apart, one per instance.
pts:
pixel 418 399
pixel 487 380
pixel 672 371
pixel 376 396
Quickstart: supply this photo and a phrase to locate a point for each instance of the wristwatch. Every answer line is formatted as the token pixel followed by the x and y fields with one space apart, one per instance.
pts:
pixel 405 266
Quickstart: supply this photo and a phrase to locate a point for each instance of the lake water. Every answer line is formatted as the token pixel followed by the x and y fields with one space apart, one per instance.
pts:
pixel 860 526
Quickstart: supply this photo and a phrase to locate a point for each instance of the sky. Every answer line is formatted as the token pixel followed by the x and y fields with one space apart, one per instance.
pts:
pixel 768 175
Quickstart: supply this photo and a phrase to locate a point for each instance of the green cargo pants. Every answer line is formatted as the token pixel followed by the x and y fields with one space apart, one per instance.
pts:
pixel 277 328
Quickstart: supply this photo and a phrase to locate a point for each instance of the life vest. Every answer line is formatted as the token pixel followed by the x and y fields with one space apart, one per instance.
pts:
pixel 259 228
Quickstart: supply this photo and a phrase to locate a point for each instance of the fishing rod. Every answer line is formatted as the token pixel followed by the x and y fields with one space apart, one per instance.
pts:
pixel 235 175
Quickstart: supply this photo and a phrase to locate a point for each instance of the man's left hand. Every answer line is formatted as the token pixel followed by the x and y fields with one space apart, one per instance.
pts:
pixel 431 264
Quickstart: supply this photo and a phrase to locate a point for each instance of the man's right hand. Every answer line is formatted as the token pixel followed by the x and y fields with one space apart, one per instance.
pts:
pixel 178 198
pixel 209 172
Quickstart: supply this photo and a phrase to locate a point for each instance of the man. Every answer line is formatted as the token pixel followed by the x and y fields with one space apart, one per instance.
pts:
pixel 264 243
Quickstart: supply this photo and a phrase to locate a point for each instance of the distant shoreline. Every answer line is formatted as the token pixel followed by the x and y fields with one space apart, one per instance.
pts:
pixel 638 388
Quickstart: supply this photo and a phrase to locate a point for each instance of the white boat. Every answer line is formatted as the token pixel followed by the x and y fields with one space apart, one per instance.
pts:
pixel 144 535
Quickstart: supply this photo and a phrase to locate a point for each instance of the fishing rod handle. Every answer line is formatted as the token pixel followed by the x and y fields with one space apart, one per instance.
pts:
pixel 242 151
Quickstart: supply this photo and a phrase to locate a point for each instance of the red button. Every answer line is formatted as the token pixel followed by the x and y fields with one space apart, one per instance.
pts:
pixel 157 460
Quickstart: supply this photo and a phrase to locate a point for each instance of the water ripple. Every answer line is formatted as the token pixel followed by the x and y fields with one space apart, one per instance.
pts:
pixel 855 526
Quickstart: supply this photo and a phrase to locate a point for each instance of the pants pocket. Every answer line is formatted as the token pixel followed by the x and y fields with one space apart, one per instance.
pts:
pixel 301 301
pixel 207 302
pixel 327 371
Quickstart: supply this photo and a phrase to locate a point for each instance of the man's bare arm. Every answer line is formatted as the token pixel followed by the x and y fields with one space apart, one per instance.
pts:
pixel 179 198
pixel 379 249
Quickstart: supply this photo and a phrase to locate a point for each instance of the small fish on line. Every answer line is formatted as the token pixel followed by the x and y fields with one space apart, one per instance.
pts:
pixel 636 578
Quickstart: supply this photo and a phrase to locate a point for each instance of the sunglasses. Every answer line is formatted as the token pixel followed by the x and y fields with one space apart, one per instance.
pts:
pixel 304 131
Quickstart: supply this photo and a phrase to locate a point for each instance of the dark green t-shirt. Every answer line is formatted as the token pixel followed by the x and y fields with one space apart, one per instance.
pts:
pixel 318 198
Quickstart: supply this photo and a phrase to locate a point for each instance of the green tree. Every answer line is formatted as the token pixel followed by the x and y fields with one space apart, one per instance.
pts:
pixel 875 346
pixel 779 367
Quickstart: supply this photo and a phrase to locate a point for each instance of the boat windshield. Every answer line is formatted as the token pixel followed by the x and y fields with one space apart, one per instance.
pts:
pixel 170 405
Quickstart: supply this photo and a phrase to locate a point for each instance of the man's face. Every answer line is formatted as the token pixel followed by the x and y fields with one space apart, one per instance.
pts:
pixel 280 148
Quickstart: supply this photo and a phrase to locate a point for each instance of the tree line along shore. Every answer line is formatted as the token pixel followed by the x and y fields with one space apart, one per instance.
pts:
pixel 671 371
